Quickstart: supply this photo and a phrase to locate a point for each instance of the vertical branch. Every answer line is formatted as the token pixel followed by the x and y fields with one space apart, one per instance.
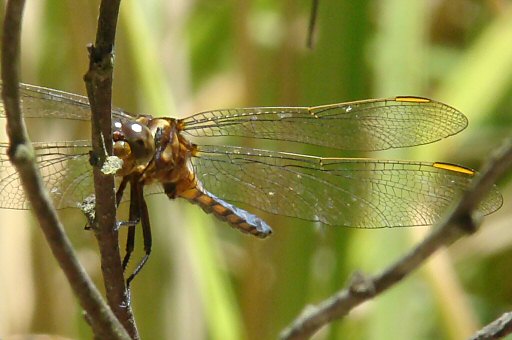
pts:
pixel 103 322
pixel 98 81
pixel 312 24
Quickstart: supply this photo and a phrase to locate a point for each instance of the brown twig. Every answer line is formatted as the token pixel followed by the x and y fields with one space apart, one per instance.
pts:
pixel 312 23
pixel 98 81
pixel 497 329
pixel 459 223
pixel 103 322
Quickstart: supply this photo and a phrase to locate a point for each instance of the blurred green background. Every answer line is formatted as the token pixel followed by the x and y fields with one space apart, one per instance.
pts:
pixel 206 281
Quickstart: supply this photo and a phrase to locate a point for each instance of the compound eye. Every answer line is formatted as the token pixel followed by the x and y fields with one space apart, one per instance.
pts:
pixel 141 141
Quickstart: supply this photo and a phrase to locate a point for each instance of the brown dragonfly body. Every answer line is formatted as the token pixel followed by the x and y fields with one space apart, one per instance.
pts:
pixel 158 157
pixel 155 150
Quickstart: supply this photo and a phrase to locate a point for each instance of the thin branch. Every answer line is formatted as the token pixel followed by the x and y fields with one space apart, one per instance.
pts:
pixel 459 223
pixel 312 23
pixel 98 81
pixel 103 322
pixel 497 329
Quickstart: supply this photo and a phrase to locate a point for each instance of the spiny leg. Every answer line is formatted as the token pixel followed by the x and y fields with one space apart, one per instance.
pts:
pixel 120 191
pixel 146 232
pixel 119 198
pixel 134 215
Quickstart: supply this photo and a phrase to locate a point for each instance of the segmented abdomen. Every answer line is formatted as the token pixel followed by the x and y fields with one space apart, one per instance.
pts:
pixel 238 218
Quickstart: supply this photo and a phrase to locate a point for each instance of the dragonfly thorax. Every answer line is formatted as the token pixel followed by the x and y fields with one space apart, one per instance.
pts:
pixel 155 150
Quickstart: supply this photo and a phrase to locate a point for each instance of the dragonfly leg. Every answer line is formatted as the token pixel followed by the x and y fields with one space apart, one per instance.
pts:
pixel 146 233
pixel 133 216
pixel 119 197
pixel 120 190
pixel 130 245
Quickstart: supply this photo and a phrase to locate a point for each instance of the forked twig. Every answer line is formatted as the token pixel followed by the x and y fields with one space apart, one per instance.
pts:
pixel 103 322
pixel 98 81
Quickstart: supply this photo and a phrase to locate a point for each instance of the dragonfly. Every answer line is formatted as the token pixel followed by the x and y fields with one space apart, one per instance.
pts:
pixel 159 156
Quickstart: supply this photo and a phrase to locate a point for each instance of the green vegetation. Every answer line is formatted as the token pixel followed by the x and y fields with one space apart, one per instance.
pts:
pixel 206 281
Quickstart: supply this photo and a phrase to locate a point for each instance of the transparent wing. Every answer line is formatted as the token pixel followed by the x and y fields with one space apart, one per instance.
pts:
pixel 66 173
pixel 363 193
pixel 361 125
pixel 64 165
pixel 65 170
pixel 38 102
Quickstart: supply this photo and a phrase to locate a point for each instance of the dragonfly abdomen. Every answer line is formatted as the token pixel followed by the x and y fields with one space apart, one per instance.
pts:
pixel 238 218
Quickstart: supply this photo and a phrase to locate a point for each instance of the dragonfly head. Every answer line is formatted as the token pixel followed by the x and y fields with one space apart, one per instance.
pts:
pixel 133 142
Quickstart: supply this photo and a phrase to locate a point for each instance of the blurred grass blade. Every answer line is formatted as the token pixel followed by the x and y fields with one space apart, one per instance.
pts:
pixel 483 76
